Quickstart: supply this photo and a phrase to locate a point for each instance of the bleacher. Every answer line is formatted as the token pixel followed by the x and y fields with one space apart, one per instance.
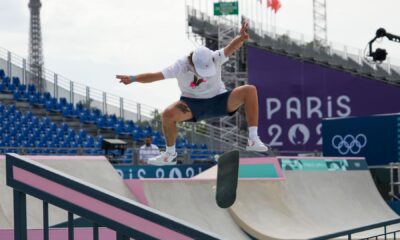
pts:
pixel 39 135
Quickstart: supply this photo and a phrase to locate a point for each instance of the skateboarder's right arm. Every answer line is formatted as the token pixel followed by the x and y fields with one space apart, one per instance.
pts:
pixel 142 78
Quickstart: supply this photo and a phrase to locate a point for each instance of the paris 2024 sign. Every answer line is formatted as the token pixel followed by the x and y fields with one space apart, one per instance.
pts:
pixel 295 96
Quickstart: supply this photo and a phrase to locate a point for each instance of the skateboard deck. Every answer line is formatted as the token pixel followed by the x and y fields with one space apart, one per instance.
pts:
pixel 227 178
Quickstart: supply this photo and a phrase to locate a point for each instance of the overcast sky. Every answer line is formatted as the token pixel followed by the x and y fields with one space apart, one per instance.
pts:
pixel 90 41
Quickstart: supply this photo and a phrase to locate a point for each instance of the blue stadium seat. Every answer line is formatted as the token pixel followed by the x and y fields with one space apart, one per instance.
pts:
pixel 47 96
pixel 22 88
pixel 31 89
pixel 101 122
pixel 6 80
pixel 138 134
pixel 52 105
pixel 2 74
pixel 16 82
pixel 63 101
pixel 203 146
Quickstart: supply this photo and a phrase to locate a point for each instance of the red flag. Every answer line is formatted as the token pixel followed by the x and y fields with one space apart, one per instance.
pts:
pixel 274 4
pixel 269 3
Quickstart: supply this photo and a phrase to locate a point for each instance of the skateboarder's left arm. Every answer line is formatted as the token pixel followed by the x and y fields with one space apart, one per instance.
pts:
pixel 238 41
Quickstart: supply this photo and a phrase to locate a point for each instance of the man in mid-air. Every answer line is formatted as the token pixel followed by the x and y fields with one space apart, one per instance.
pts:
pixel 203 95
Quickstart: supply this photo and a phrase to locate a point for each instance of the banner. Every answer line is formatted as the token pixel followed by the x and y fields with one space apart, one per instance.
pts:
pixel 147 171
pixel 323 164
pixel 295 95
pixel 377 138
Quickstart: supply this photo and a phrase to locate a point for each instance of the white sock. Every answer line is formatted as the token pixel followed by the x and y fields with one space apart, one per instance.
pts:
pixel 253 133
pixel 171 149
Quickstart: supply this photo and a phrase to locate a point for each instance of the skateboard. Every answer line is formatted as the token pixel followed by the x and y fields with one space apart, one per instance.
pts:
pixel 227 179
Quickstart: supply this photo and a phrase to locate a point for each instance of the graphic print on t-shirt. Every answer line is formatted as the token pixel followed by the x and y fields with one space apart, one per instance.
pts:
pixel 196 81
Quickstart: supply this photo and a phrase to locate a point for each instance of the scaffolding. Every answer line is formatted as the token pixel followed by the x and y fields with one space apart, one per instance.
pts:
pixel 320 23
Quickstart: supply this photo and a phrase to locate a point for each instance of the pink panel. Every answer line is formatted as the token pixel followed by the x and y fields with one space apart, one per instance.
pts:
pixel 136 187
pixel 259 160
pixel 52 157
pixel 95 206
pixel 61 234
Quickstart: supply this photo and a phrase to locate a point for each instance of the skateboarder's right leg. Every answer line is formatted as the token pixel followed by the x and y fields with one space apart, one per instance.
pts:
pixel 176 112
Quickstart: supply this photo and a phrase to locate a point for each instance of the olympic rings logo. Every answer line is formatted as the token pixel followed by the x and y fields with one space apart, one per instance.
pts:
pixel 349 143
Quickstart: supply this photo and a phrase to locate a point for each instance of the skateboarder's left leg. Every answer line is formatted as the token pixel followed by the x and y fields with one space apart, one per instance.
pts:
pixel 245 95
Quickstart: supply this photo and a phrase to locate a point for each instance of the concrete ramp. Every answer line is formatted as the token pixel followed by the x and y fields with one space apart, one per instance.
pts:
pixel 93 169
pixel 193 200
pixel 190 200
pixel 311 201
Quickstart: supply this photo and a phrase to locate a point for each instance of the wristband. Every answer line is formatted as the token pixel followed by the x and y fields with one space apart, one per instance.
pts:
pixel 132 78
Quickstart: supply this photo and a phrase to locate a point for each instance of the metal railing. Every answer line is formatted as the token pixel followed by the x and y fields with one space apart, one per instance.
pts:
pixel 127 218
pixel 394 181
pixel 61 87
pixel 350 233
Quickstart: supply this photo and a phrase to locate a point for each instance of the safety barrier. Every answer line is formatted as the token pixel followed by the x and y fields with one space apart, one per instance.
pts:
pixel 350 233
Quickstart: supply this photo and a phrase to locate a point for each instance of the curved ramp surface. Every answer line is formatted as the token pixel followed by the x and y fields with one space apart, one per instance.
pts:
pixel 309 204
pixel 189 200
pixel 95 170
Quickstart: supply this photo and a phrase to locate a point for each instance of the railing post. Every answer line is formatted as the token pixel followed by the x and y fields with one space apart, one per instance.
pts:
pixel 24 71
pixel 55 86
pixel 88 96
pixel 121 108
pixel 385 229
pixel 9 71
pixel 70 226
pixel 138 112
pixel 95 231
pixel 104 103
pixel 71 92
pixel 45 221
pixel 20 230
pixel 360 56
pixel 391 181
pixel 121 237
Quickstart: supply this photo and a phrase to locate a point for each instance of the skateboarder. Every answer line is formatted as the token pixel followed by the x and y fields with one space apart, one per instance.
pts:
pixel 203 95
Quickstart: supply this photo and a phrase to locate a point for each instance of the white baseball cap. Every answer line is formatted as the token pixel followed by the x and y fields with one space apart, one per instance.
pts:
pixel 203 62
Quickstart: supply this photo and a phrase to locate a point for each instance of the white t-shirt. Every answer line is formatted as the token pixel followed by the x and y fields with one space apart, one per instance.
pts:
pixel 191 84
pixel 147 152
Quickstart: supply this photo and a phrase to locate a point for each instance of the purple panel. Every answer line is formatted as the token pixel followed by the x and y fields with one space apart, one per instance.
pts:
pixel 294 96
